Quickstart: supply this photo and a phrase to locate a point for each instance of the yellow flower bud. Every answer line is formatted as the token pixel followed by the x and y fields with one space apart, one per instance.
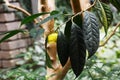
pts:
pixel 52 37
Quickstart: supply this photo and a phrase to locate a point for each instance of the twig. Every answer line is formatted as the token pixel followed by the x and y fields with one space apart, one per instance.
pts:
pixel 79 13
pixel 118 24
pixel 19 9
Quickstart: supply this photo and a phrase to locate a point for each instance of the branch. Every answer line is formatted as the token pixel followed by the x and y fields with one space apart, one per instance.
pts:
pixel 89 7
pixel 117 26
pixel 75 6
pixel 19 9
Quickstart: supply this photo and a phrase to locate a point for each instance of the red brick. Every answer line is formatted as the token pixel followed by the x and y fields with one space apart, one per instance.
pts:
pixel 22 49
pixel 8 54
pixel 15 44
pixel 9 63
pixel 7 17
pixel 30 41
pixel 10 26
pixel 0 63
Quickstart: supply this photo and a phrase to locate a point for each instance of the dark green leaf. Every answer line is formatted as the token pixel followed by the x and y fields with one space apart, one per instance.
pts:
pixel 32 17
pixel 54 12
pixel 116 3
pixel 67 30
pixel 91 32
pixel 77 49
pixel 10 34
pixel 48 18
pixel 78 20
pixel 62 48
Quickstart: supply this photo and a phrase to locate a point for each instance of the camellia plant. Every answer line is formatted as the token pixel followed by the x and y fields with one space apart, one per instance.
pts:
pixel 80 37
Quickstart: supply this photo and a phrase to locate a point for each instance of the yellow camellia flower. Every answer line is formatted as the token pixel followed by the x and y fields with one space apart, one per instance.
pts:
pixel 52 37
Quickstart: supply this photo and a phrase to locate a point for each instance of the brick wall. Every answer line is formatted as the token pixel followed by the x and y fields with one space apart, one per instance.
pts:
pixel 14 45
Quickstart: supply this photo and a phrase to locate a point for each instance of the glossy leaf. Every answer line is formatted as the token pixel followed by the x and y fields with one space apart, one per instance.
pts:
pixel 67 30
pixel 62 48
pixel 91 32
pixel 10 34
pixel 77 49
pixel 78 20
pixel 32 17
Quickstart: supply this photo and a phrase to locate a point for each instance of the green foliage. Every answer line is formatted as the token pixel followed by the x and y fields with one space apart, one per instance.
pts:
pixel 68 29
pixel 32 67
pixel 32 17
pixel 10 34
pixel 54 14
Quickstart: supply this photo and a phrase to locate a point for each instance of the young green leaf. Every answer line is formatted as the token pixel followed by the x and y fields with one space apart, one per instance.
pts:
pixel 48 18
pixel 10 34
pixel 104 14
pixel 91 32
pixel 77 49
pixel 32 17
pixel 62 48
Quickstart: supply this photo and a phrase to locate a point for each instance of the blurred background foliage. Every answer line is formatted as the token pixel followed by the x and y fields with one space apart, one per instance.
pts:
pixel 105 65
